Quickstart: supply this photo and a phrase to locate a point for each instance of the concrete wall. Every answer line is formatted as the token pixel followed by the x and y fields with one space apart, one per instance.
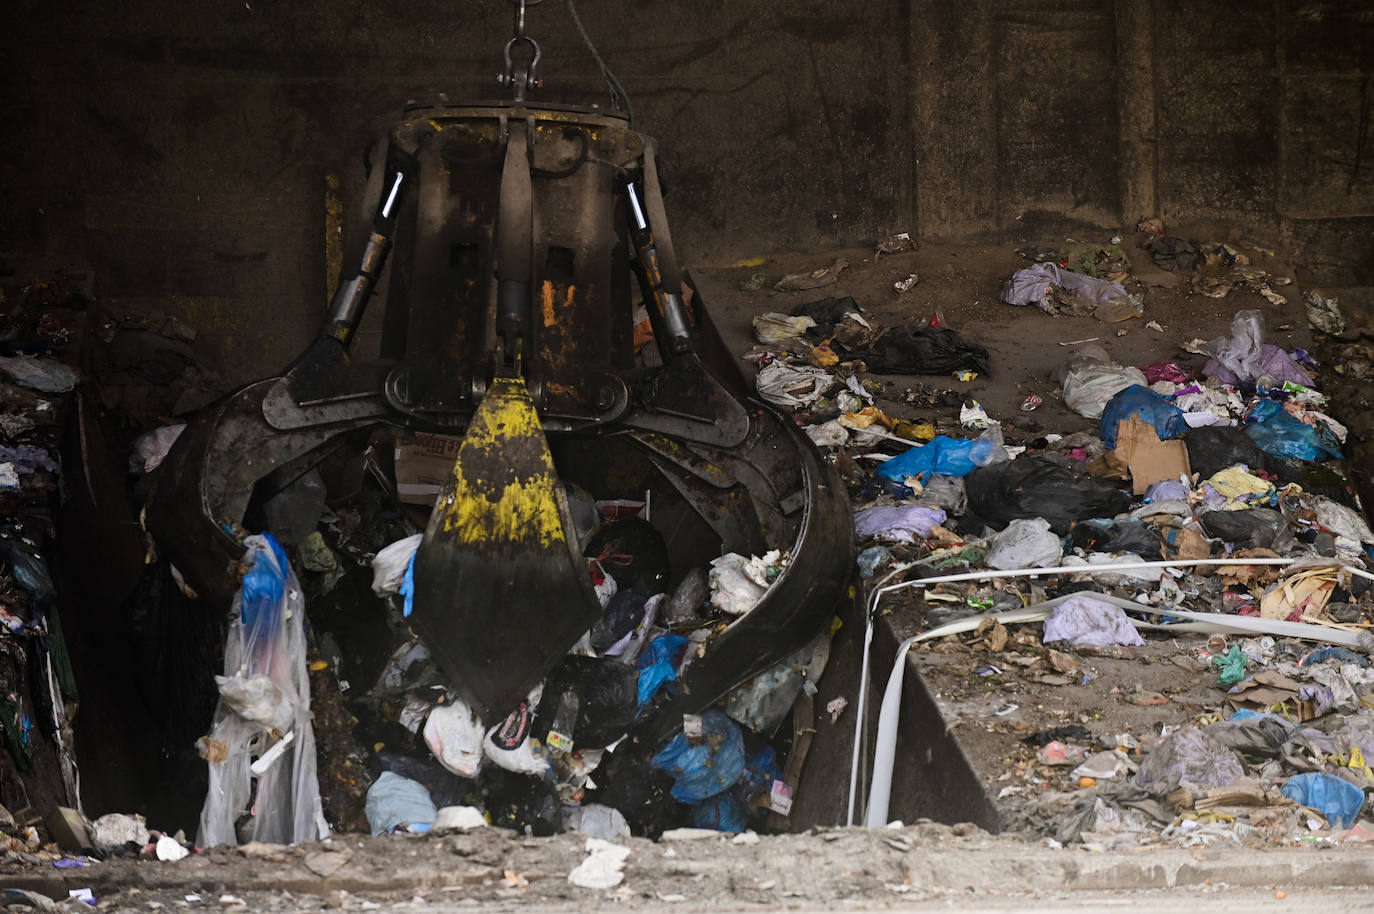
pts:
pixel 180 147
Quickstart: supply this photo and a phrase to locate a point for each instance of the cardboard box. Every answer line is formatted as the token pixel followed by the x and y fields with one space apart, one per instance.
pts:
pixel 423 463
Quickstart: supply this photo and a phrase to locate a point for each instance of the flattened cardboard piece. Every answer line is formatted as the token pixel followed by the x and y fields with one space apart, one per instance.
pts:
pixel 1148 459
pixel 1272 691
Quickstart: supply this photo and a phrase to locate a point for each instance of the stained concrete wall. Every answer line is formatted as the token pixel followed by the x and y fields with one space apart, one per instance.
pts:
pixel 180 149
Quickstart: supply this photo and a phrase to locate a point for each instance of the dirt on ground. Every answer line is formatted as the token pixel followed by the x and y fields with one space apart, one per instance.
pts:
pixel 922 866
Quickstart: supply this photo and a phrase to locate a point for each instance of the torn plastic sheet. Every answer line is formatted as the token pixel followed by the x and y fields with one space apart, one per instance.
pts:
pixel 28 458
pixel 774 327
pixel 266 679
pixel 46 375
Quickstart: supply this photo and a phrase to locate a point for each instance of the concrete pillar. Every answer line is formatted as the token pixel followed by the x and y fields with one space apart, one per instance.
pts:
pixel 1137 110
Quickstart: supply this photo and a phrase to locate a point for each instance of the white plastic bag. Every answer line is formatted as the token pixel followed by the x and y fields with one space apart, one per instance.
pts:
pixel 738 583
pixel 792 386
pixel 265 679
pixel 390 563
pixel 508 745
pixel 602 583
pixel 732 591
pixel 256 699
pixel 1090 383
pixel 150 448
pixel 459 818
pixel 827 434
pixel 454 734
pixel 1025 543
pixel 1242 352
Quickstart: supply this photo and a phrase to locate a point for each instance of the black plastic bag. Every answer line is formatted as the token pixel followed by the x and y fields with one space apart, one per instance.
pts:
pixel 643 794
pixel 1255 528
pixel 445 787
pixel 1176 254
pixel 1265 736
pixel 827 310
pixel 1033 486
pixel 1213 448
pixel 521 802
pixel 1098 535
pixel 922 350
pixel 632 552
pixel 622 614
pixel 595 699
pixel 1053 734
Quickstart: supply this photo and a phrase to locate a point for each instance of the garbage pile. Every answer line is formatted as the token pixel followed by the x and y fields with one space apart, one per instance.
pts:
pixel 399 745
pixel 39 695
pixel 551 765
pixel 805 356
pixel 1211 496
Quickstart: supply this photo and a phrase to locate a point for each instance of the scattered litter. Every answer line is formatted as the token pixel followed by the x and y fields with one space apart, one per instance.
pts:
pixel 801 282
pixel 170 850
pixel 904 285
pixel 604 866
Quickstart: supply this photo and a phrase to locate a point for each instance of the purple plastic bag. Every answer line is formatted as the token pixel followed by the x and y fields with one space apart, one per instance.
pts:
pixel 897 523
pixel 1085 622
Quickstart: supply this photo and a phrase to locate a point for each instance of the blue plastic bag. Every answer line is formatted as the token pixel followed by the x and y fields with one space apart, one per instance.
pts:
pixel 263 585
pixel 711 765
pixel 1149 406
pixel 658 665
pixel 943 455
pixel 1338 801
pixel 1276 432
pixel 725 812
pixel 760 772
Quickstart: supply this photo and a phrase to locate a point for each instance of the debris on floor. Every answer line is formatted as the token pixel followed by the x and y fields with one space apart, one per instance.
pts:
pixel 1205 531
pixel 1163 621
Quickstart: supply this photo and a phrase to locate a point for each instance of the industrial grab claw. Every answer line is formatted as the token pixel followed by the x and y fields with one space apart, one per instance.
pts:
pixel 520 231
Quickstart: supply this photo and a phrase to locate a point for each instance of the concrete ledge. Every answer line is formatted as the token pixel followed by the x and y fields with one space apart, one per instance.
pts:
pixel 818 866
pixel 1036 869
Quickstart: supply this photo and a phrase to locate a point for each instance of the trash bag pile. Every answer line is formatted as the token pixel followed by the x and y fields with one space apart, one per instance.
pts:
pixel 36 404
pixel 813 358
pixel 551 764
pixel 1238 461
